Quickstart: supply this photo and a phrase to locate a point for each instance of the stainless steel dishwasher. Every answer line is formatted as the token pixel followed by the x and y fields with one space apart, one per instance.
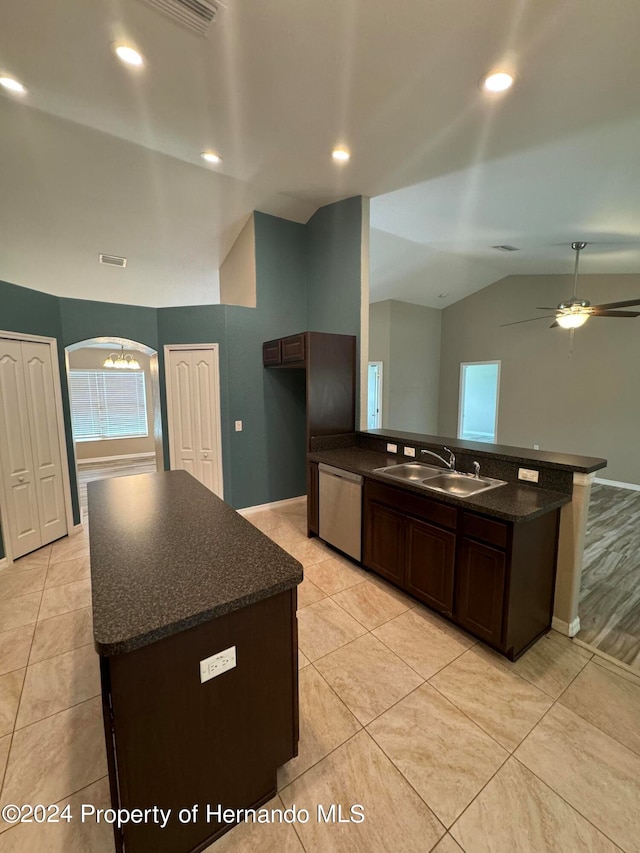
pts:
pixel 340 509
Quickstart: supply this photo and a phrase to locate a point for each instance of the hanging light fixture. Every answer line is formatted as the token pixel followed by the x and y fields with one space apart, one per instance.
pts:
pixel 576 312
pixel 120 361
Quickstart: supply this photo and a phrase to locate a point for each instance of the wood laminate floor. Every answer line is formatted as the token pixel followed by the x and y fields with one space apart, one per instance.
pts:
pixel 102 470
pixel 610 593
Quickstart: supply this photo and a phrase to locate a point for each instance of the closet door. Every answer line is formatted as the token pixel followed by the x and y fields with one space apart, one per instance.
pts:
pixel 30 459
pixel 45 442
pixel 23 521
pixel 193 399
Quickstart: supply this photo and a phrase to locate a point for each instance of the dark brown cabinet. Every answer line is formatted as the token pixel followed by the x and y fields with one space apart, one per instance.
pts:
pixel 494 578
pixel 313 520
pixel 294 349
pixel 271 353
pixel 480 590
pixel 430 564
pixel 383 544
pixel 329 365
pixel 413 553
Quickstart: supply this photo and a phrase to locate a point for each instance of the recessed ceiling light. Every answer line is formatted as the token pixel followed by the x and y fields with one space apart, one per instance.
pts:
pixel 12 85
pixel 340 154
pixel 128 55
pixel 211 157
pixel 499 81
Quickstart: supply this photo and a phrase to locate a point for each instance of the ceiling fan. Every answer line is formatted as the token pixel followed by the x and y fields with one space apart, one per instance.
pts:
pixel 575 312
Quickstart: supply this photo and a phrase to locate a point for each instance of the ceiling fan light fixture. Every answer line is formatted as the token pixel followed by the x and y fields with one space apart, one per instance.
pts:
pixel 573 319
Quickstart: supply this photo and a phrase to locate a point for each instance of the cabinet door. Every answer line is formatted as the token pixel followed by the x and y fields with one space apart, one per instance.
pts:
pixel 271 352
pixel 430 561
pixel 384 542
pixel 312 497
pixel 480 582
pixel 293 349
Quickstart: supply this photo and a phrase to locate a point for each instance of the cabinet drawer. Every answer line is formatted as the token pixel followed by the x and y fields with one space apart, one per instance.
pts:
pixel 272 352
pixel 293 349
pixel 485 529
pixel 414 504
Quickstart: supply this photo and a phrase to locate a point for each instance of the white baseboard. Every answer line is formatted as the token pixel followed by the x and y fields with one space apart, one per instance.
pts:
pixel 248 510
pixel 3 563
pixel 617 484
pixel 569 629
pixel 116 458
pixel 77 528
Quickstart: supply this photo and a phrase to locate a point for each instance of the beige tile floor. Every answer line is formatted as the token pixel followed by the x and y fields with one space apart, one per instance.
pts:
pixel 447 745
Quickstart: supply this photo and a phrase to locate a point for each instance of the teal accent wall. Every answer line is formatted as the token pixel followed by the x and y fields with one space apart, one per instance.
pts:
pixel 334 235
pixel 307 277
pixel 334 261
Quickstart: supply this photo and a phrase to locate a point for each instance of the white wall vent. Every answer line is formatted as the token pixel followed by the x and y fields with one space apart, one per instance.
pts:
pixel 195 15
pixel 112 260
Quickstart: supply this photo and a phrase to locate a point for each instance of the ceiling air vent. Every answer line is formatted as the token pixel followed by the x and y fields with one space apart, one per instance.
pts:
pixel 195 15
pixel 112 260
pixel 506 248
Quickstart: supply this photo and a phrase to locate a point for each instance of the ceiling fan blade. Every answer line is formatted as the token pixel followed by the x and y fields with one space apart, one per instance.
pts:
pixel 530 320
pixel 619 304
pixel 598 313
pixel 555 325
pixel 547 308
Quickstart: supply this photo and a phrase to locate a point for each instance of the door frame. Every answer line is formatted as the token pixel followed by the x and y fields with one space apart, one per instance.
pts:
pixel 215 349
pixel 464 364
pixel 379 383
pixel 62 443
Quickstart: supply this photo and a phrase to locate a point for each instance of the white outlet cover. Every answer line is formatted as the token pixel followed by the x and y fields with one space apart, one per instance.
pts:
pixel 215 665
pixel 238 426
pixel 528 474
pixel 410 451
pixel 392 448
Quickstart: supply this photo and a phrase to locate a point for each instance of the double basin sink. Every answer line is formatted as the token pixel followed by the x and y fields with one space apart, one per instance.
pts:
pixel 434 479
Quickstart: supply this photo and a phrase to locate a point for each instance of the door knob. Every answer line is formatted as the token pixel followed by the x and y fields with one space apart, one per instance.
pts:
pixel 21 479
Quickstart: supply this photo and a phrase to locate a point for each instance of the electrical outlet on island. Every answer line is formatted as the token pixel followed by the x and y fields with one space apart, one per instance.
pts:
pixel 410 451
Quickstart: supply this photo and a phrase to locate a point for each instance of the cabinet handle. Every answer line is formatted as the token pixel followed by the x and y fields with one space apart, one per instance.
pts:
pixel 21 479
pixel 206 455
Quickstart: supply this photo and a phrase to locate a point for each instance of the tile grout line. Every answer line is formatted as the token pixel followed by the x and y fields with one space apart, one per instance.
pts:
pixel 15 719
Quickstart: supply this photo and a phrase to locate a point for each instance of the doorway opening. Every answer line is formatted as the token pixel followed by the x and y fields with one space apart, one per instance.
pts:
pixel 374 395
pixel 114 394
pixel 478 405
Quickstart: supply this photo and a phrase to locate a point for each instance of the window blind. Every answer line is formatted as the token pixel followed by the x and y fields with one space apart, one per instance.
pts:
pixel 108 404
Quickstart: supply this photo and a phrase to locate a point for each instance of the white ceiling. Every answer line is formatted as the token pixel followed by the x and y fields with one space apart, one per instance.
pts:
pixel 100 158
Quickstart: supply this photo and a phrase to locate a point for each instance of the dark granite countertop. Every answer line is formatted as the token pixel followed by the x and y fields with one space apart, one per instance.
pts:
pixel 541 458
pixel 513 502
pixel 167 554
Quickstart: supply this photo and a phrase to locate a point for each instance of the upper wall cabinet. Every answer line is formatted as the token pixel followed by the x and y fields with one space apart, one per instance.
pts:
pixel 329 362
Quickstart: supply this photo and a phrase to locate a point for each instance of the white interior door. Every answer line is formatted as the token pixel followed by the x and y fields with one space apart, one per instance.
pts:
pixel 29 447
pixel 45 443
pixel 193 403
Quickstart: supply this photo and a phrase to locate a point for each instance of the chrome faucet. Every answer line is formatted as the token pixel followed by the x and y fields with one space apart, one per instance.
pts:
pixel 476 470
pixel 451 464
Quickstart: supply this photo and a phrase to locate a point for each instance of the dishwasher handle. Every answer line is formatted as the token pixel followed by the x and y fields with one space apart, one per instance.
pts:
pixel 340 473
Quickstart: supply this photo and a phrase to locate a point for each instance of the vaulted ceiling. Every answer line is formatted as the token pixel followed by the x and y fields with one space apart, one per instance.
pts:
pixel 99 157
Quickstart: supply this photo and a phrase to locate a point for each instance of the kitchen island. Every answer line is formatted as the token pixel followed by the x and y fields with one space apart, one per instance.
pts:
pixel 195 623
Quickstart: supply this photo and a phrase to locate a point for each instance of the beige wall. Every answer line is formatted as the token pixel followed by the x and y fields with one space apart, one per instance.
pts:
pixel 588 403
pixel 238 270
pixel 406 338
pixel 92 358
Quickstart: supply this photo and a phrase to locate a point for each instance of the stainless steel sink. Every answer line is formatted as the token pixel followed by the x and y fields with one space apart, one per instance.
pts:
pixel 410 472
pixel 461 485
pixel 436 479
